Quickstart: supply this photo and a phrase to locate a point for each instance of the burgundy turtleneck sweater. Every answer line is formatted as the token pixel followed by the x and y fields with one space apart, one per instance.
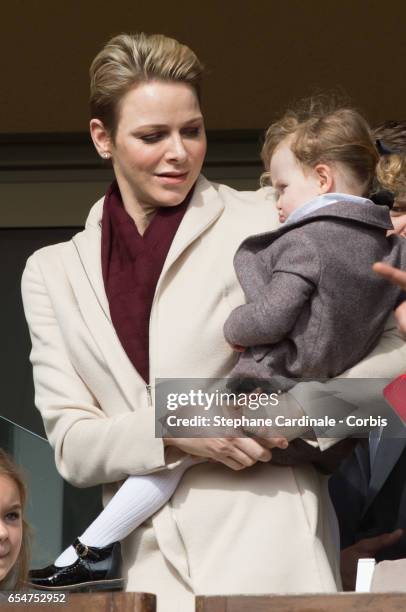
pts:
pixel 131 266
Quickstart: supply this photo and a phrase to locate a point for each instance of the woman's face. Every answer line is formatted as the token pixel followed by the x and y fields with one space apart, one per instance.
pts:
pixel 398 216
pixel 160 143
pixel 11 525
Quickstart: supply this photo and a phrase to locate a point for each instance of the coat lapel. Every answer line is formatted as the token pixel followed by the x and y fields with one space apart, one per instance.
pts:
pixel 83 267
pixel 362 457
pixel 388 452
pixel 88 246
pixel 204 208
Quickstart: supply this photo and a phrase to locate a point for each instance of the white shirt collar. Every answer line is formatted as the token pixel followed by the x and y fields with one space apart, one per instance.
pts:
pixel 324 200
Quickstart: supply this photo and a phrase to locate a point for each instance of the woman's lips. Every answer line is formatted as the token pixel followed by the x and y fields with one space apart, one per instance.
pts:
pixel 172 178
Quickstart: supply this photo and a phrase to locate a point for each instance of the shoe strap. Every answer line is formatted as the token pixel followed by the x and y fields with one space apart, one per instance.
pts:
pixel 85 552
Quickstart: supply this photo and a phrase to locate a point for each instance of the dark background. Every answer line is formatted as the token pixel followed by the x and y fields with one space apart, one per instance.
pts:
pixel 260 55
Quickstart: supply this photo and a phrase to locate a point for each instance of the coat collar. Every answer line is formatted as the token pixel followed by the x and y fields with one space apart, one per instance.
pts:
pixel 323 200
pixel 368 214
pixel 204 209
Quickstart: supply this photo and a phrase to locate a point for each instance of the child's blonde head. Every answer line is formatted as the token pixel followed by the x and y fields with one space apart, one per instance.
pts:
pixel 322 133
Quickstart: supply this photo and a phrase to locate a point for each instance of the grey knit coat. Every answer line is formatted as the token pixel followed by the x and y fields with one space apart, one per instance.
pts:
pixel 314 306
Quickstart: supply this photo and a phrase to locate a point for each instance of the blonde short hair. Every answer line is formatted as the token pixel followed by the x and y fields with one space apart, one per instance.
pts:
pixel 322 132
pixel 129 59
pixel 19 573
pixel 391 168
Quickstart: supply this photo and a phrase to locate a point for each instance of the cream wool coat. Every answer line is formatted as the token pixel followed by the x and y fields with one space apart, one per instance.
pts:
pixel 261 530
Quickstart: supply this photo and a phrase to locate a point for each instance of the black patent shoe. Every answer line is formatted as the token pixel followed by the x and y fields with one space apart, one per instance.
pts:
pixel 96 569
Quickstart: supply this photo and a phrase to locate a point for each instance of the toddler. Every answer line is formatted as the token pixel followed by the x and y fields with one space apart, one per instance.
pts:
pixel 314 306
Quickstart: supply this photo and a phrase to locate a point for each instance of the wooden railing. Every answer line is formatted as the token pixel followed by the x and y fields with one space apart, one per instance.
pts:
pixel 146 602
pixel 88 602
pixel 343 602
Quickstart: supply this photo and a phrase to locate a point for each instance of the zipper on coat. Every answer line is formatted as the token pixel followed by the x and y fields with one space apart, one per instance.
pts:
pixel 149 396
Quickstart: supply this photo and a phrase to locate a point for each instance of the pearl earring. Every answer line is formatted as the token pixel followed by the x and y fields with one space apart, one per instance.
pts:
pixel 105 155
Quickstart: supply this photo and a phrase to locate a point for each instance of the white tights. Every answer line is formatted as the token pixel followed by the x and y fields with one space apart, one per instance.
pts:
pixel 137 499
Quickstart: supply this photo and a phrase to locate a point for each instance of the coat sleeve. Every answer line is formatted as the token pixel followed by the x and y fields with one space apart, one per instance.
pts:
pixel 292 280
pixel 90 447
pixel 358 391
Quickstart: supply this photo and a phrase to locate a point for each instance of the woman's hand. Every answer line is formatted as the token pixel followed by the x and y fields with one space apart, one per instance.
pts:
pixel 235 453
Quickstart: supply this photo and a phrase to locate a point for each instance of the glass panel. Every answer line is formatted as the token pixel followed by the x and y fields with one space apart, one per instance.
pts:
pixel 56 511
pixel 45 500
pixel 16 245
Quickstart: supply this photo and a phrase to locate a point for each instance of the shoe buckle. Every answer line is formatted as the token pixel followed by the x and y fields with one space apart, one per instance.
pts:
pixel 82 550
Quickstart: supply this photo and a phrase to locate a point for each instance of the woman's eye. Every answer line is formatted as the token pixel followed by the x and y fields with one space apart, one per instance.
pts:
pixel 191 132
pixel 151 138
pixel 13 516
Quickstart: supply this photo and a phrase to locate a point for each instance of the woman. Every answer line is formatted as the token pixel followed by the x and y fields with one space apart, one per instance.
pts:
pixel 391 138
pixel 14 532
pixel 159 249
pixel 391 142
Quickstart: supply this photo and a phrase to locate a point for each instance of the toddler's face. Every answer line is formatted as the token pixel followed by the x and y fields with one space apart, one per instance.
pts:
pixel 294 186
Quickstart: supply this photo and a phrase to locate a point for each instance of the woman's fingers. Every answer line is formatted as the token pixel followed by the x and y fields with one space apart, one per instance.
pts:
pixel 240 453
pixel 253 450
pixel 243 450
pixel 274 442
pixel 395 276
pixel 232 463
pixel 236 453
pixel 239 457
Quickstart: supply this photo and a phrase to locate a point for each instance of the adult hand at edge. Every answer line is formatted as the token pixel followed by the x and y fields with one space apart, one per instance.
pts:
pixel 367 548
pixel 397 277
pixel 394 275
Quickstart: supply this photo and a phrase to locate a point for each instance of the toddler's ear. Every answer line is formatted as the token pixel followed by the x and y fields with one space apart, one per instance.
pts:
pixel 325 178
